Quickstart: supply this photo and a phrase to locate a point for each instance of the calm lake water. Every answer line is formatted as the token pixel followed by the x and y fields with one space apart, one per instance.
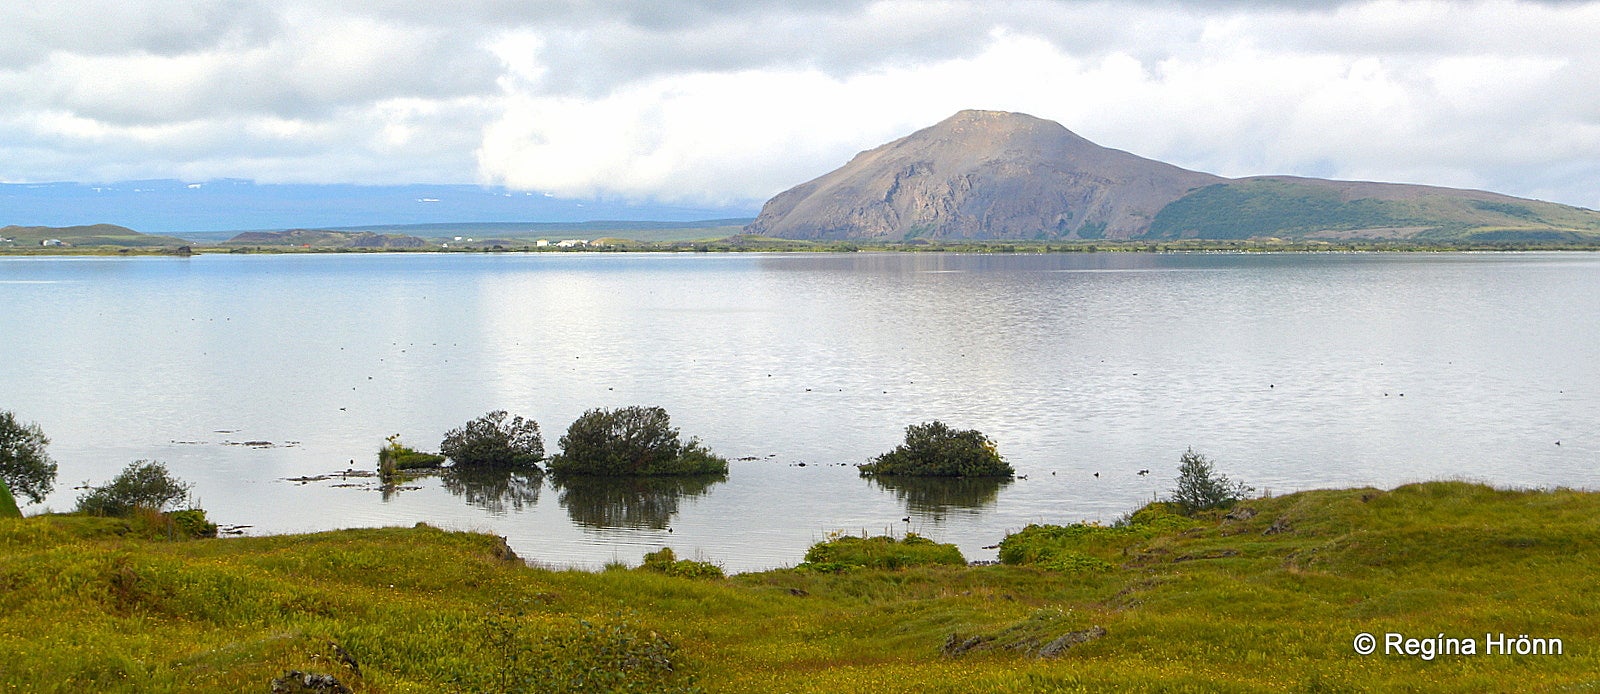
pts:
pixel 1290 371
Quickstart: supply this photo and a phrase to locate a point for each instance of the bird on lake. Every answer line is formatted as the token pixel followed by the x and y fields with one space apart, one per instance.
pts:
pixel 1142 473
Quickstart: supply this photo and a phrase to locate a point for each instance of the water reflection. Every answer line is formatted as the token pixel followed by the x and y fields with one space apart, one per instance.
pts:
pixel 936 497
pixel 629 502
pixel 495 491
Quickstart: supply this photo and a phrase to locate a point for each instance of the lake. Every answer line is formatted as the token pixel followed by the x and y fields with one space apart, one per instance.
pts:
pixel 1290 371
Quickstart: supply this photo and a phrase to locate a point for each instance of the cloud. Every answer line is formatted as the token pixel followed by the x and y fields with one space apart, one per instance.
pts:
pixel 728 102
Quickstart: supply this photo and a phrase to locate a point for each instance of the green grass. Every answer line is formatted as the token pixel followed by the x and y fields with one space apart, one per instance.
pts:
pixel 1268 600
pixel 8 503
pixel 1268 207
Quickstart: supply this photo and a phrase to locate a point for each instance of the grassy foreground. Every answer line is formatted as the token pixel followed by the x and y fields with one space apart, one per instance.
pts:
pixel 1264 603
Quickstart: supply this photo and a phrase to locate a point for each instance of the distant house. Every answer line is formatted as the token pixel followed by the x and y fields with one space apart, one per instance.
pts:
pixel 542 243
pixel 52 242
pixel 570 243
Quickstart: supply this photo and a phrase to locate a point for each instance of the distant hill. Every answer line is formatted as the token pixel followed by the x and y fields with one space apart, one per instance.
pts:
pixel 999 175
pixel 633 230
pixel 182 207
pixel 525 232
pixel 92 235
pixel 323 238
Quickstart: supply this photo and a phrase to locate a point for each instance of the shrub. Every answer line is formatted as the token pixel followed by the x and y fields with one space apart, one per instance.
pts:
pixel 24 465
pixel 665 561
pixel 142 484
pixel 631 441
pixel 933 449
pixel 842 552
pixel 193 523
pixel 492 441
pixel 1200 487
pixel 395 457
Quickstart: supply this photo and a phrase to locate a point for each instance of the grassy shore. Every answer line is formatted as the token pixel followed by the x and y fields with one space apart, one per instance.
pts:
pixel 1270 599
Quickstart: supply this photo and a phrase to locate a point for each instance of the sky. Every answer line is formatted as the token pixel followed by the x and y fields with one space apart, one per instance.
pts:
pixel 720 104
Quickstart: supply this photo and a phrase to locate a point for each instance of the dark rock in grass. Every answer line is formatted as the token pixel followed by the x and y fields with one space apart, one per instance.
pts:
pixel 1070 639
pixel 1242 513
pixel 1213 554
pixel 1279 525
pixel 297 682
pixel 956 644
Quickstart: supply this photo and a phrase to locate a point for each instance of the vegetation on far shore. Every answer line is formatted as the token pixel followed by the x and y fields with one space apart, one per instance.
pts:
pixel 1266 596
pixel 1482 241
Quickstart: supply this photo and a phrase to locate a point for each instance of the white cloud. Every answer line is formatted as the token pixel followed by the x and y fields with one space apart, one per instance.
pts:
pixel 721 102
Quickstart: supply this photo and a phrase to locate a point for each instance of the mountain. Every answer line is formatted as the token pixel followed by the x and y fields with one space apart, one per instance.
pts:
pixel 322 238
pixel 1000 175
pixel 90 235
pixel 181 207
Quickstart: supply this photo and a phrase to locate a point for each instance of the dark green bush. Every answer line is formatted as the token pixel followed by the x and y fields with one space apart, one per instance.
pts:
pixel 193 523
pixel 1201 487
pixel 143 484
pixel 492 441
pixel 842 552
pixel 933 449
pixel 631 441
pixel 24 465
pixel 665 561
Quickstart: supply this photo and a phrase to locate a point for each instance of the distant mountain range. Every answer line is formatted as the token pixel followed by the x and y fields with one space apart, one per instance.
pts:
pixel 87 235
pixel 1000 175
pixel 179 208
pixel 321 238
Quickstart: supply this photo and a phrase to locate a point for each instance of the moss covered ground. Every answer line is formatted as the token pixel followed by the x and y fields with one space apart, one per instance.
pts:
pixel 1267 598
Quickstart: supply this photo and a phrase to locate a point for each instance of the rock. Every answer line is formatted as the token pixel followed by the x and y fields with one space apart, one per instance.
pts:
pixel 955 644
pixel 1213 554
pixel 297 682
pixel 1070 639
pixel 1241 513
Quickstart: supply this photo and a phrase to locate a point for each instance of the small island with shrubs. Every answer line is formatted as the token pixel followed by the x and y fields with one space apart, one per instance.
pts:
pixel 634 441
pixel 933 449
pixel 493 441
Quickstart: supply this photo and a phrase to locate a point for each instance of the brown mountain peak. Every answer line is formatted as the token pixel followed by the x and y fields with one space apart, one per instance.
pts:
pixel 981 174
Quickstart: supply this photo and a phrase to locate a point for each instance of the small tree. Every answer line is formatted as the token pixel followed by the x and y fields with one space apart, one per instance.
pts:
pixel 142 484
pixel 631 441
pixel 933 449
pixel 1200 487
pixel 24 465
pixel 492 441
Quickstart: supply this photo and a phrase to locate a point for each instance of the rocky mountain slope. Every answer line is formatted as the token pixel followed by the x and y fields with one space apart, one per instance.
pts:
pixel 999 175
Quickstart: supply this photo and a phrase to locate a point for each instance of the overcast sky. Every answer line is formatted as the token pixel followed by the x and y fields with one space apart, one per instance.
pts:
pixel 726 102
